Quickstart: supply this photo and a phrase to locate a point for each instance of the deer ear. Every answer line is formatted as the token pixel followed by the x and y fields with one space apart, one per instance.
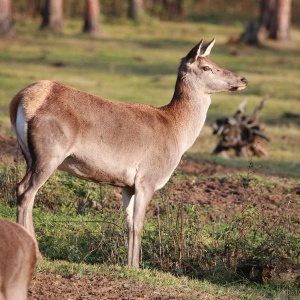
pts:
pixel 208 48
pixel 195 52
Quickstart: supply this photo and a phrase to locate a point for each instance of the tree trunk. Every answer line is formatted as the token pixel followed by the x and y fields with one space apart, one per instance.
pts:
pixel 5 17
pixel 135 10
pixel 267 13
pixel 91 17
pixel 34 8
pixel 172 9
pixel 52 14
pixel 275 18
pixel 283 18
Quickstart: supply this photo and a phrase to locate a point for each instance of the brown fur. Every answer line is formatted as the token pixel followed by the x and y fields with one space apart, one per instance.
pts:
pixel 17 260
pixel 31 97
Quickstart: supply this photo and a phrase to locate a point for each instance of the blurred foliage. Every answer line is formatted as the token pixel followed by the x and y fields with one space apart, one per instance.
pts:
pixel 208 10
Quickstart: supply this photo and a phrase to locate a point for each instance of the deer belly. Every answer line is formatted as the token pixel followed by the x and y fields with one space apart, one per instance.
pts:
pixel 103 173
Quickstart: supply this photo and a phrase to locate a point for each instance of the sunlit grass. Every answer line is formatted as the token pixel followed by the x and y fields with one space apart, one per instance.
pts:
pixel 139 64
pixel 154 279
pixel 93 242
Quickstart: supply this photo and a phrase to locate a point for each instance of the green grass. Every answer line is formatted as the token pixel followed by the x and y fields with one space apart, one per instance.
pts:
pixel 139 63
pixel 178 240
pixel 157 279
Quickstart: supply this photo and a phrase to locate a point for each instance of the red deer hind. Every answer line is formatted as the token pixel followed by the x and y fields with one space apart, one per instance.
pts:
pixel 130 145
pixel 18 255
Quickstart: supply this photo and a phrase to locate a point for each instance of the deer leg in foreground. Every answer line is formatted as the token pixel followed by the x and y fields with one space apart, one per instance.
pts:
pixel 135 207
pixel 128 203
pixel 143 196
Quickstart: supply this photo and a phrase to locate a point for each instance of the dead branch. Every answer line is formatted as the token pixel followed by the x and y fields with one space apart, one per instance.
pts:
pixel 241 133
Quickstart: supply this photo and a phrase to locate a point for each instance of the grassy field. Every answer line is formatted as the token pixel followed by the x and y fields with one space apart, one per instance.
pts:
pixel 139 64
pixel 185 246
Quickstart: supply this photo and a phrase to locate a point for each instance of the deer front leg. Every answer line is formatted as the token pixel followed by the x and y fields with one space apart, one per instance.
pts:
pixel 135 208
pixel 128 203
pixel 143 196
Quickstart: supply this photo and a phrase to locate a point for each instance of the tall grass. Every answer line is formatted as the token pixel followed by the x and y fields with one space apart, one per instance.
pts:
pixel 177 237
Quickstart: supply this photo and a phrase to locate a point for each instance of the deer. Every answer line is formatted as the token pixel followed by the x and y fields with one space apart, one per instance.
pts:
pixel 18 256
pixel 130 145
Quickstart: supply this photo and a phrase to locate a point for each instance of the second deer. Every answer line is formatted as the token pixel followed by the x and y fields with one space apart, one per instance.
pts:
pixel 133 146
pixel 17 260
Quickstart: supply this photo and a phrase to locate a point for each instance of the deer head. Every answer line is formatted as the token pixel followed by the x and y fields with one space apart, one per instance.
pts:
pixel 206 76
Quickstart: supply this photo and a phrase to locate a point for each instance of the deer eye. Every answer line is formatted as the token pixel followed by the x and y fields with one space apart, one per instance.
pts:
pixel 206 68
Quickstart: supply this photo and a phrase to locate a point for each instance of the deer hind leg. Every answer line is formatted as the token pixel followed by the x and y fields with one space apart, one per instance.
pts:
pixel 34 178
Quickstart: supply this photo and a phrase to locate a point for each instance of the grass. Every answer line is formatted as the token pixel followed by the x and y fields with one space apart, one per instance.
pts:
pixel 155 279
pixel 139 63
pixel 181 247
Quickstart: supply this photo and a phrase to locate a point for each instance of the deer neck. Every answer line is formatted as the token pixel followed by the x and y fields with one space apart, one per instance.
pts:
pixel 188 108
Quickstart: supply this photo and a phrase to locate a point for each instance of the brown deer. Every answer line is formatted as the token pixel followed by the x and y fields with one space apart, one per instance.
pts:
pixel 129 145
pixel 17 260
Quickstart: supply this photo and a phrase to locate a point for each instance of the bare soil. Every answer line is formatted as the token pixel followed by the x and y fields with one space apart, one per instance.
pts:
pixel 220 195
pixel 9 150
pixel 79 287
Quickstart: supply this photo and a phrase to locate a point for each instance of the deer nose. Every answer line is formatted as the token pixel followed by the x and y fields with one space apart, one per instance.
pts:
pixel 244 80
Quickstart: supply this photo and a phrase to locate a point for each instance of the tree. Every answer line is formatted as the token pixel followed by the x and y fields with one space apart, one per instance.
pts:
pixel 91 17
pixel 274 21
pixel 52 15
pixel 135 10
pixel 172 9
pixel 275 18
pixel 34 8
pixel 5 17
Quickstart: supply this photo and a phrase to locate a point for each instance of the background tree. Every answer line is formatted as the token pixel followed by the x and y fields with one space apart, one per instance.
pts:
pixel 172 9
pixel 52 15
pixel 34 8
pixel 275 18
pixel 5 17
pixel 91 17
pixel 135 10
pixel 274 21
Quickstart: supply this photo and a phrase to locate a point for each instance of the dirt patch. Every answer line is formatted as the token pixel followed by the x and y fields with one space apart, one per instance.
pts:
pixel 90 287
pixel 9 150
pixel 223 196
pixel 193 168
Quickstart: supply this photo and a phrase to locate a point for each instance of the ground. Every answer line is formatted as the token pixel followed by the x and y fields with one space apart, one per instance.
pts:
pixel 221 195
pixel 87 287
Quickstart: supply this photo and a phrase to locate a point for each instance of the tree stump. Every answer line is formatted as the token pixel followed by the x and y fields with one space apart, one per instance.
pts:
pixel 241 133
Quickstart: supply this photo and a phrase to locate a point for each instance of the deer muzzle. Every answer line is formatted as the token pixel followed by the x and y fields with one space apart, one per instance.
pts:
pixel 240 86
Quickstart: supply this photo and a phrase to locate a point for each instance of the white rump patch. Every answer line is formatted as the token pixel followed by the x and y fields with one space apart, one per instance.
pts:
pixel 22 130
